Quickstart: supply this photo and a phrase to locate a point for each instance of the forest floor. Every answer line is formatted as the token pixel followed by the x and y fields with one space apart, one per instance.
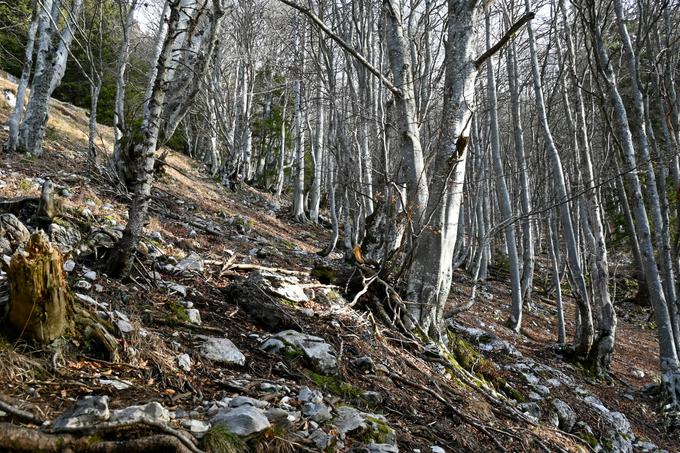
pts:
pixel 424 401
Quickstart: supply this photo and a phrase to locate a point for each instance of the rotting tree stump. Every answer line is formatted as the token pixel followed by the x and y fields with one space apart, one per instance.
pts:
pixel 40 301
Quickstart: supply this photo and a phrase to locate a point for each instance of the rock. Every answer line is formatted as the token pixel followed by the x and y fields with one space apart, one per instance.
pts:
pixel 615 425
pixel 320 354
pixel 69 265
pixel 90 275
pixel 184 362
pixel 196 427
pixel 637 373
pixel 86 412
pixel 82 284
pixel 124 326
pixel 318 412
pixel 320 439
pixel 531 409
pixel 437 449
pixel 115 383
pixel 382 448
pixel 282 286
pixel 194 316
pixel 151 412
pixel 243 420
pixel 191 262
pixel 13 231
pixel 565 415
pixel 105 238
pixel 273 388
pixel 246 400
pixel 282 417
pixel 180 289
pixel 369 427
pixel 221 350
pixel 364 364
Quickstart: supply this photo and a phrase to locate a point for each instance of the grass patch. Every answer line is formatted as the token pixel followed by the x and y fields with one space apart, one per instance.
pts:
pixel 178 310
pixel 219 440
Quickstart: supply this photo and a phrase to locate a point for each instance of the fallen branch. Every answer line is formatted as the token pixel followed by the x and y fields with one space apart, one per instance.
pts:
pixel 20 439
pixel 257 267
pixel 19 413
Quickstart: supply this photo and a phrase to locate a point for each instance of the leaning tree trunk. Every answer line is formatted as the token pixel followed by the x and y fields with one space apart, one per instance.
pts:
pixel 143 154
pixel 40 301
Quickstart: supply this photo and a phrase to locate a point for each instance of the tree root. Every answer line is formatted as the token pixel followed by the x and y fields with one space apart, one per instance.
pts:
pixel 19 413
pixel 20 439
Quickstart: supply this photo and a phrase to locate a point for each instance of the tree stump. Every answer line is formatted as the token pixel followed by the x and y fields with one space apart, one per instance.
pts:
pixel 40 301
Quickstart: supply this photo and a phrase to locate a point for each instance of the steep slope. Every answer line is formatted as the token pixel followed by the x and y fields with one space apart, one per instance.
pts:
pixel 232 324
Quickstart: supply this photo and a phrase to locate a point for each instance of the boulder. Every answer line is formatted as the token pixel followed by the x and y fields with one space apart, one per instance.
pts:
pixel 221 350
pixel 279 285
pixel 14 232
pixel 66 237
pixel 151 412
pixel 319 354
pixel 369 427
pixel 565 415
pixel 243 420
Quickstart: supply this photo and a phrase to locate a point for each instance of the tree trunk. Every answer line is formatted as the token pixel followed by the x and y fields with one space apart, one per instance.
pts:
pixel 40 301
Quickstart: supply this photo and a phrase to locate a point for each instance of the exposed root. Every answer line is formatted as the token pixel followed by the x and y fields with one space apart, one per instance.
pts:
pixel 20 439
pixel 18 413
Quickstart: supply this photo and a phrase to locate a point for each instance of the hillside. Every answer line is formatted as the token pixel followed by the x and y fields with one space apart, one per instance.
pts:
pixel 217 264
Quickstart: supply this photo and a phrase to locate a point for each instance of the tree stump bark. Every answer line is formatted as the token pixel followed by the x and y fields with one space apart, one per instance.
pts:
pixel 40 301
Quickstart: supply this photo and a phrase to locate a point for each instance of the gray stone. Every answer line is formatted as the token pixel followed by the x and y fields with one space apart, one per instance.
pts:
pixel 615 425
pixel 320 354
pixel 66 237
pixel 84 285
pixel 184 362
pixel 192 262
pixel 115 383
pixel 222 350
pixel 90 275
pixel 565 415
pixel 531 409
pixel 282 417
pixel 149 412
pixel 194 316
pixel 196 427
pixel 124 326
pixel 382 448
pixel 282 286
pixel 246 400
pixel 13 231
pixel 320 439
pixel 371 427
pixel 364 364
pixel 243 420
pixel 69 265
pixel 318 412
pixel 437 449
pixel 86 412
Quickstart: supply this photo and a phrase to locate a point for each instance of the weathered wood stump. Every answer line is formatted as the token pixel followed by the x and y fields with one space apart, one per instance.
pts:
pixel 40 301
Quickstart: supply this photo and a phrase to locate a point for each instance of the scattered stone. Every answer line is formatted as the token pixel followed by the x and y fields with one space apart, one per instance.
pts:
pixel 273 388
pixel 320 354
pixel 437 449
pixel 531 409
pixel 184 362
pixel 192 262
pixel 615 425
pixel 282 286
pixel 151 412
pixel 222 350
pixel 115 383
pixel 180 289
pixel 282 417
pixel 637 373
pixel 15 232
pixel 86 412
pixel 90 275
pixel 69 265
pixel 246 400
pixel 84 285
pixel 243 420
pixel 320 439
pixel 565 415
pixel 194 316
pixel 364 364
pixel 382 448
pixel 370 427
pixel 124 326
pixel 197 427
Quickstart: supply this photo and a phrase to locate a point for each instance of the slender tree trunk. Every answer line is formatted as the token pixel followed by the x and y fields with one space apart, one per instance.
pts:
pixel 502 194
pixel 585 339
pixel 120 262
pixel 299 153
pixel 39 14
pixel 318 158
pixel 554 259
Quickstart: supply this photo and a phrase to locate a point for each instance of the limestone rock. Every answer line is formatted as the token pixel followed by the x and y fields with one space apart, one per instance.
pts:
pixel 222 350
pixel 565 415
pixel 243 420
pixel 86 412
pixel 320 354
pixel 151 411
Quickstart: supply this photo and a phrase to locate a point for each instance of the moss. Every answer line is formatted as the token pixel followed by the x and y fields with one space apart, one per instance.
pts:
pixel 590 439
pixel 293 352
pixel 379 432
pixel 287 244
pixel 25 184
pixel 219 440
pixel 335 385
pixel 179 311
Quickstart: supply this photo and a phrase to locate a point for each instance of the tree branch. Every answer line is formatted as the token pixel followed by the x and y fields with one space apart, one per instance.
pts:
pixel 319 23
pixel 504 40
